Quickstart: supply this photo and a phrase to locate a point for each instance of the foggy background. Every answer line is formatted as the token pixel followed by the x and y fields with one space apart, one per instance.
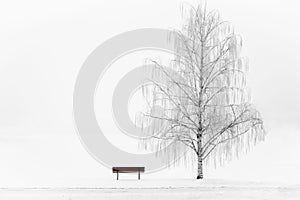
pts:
pixel 44 43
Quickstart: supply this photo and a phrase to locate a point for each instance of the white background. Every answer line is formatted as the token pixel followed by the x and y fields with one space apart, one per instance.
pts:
pixel 44 43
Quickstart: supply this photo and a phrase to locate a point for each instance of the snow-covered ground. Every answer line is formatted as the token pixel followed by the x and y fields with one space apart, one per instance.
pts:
pixel 161 189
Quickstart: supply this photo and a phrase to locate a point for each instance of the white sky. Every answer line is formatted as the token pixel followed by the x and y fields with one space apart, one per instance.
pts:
pixel 42 47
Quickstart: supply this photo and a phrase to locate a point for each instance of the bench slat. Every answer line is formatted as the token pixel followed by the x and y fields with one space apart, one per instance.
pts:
pixel 128 169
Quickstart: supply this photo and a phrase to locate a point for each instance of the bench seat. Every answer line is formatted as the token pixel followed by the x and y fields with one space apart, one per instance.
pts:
pixel 128 170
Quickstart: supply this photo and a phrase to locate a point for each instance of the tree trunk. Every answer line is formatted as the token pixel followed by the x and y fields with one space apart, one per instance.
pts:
pixel 200 164
pixel 200 168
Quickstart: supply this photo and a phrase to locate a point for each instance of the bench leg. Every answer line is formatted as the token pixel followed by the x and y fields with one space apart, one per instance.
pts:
pixel 117 175
pixel 139 175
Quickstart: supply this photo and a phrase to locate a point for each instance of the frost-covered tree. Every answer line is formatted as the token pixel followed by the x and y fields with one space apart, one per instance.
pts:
pixel 205 101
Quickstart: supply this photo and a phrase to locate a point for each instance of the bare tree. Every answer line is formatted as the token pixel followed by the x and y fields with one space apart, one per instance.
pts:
pixel 205 101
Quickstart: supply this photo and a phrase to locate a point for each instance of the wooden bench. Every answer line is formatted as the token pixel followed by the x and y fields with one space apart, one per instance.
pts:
pixel 128 170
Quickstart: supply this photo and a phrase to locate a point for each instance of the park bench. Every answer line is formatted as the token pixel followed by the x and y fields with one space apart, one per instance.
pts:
pixel 128 170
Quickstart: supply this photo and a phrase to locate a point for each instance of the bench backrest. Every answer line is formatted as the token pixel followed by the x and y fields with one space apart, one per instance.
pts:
pixel 128 169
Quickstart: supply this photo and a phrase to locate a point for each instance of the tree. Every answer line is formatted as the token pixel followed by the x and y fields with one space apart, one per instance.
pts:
pixel 205 102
